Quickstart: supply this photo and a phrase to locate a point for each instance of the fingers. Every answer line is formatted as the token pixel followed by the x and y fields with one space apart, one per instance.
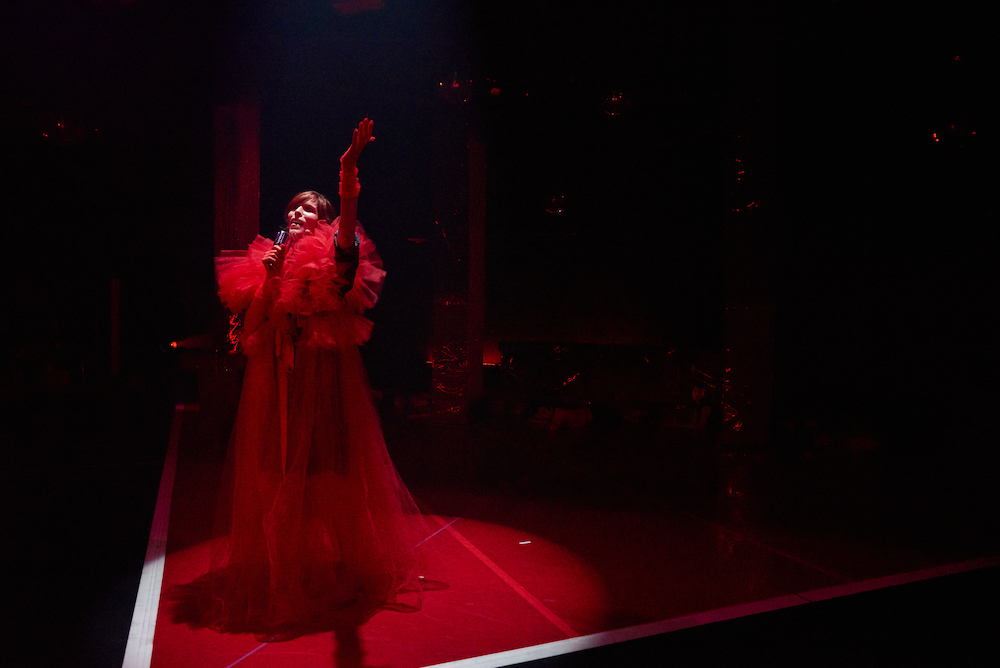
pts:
pixel 359 139
pixel 363 134
pixel 274 258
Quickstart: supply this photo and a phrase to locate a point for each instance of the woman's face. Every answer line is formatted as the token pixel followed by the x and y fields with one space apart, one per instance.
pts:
pixel 302 218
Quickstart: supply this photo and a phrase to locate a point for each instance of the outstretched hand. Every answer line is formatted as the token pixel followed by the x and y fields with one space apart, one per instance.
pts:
pixel 362 135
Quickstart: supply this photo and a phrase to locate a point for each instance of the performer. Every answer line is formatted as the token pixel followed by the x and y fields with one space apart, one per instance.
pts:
pixel 322 529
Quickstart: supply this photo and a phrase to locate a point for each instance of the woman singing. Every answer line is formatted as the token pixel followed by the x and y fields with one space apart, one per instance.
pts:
pixel 322 529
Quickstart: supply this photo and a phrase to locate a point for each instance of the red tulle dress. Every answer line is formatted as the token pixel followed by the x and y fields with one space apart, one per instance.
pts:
pixel 320 521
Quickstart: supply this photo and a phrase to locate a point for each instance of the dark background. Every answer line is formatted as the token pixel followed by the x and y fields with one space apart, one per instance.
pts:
pixel 884 281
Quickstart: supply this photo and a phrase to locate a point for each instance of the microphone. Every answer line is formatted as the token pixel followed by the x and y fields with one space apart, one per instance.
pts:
pixel 279 239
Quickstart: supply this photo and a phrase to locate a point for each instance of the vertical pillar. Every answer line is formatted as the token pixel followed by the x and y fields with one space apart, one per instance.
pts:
pixel 237 222
pixel 749 232
pixel 237 176
pixel 477 265
pixel 459 290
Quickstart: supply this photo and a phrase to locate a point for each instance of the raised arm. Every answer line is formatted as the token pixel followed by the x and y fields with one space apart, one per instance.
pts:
pixel 349 187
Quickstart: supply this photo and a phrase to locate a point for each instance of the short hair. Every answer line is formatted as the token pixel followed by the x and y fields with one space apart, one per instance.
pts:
pixel 324 209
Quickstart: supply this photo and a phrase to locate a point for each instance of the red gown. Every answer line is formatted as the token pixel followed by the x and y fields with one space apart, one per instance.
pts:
pixel 320 521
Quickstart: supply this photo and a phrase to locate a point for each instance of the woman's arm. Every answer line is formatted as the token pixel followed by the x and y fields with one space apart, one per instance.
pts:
pixel 263 300
pixel 349 187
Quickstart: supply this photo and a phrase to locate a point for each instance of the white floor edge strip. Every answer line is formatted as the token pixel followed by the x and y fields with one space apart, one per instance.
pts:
pixel 139 649
pixel 560 647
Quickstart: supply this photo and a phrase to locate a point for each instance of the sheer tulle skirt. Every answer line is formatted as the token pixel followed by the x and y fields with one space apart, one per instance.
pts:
pixel 319 529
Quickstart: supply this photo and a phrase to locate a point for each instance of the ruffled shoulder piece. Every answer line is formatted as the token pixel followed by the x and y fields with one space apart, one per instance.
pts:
pixel 311 282
pixel 240 273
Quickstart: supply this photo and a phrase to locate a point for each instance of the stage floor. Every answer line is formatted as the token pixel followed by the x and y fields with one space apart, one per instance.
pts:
pixel 560 540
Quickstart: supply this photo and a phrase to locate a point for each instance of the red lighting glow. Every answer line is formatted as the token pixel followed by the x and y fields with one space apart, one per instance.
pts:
pixel 491 353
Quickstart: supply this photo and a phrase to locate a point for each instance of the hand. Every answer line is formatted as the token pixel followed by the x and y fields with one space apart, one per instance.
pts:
pixel 274 259
pixel 362 135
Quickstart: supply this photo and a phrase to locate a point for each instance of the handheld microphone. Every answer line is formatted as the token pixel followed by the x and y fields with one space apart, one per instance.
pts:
pixel 279 239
